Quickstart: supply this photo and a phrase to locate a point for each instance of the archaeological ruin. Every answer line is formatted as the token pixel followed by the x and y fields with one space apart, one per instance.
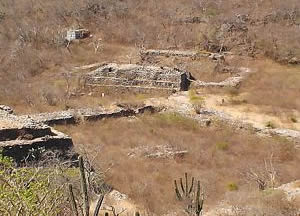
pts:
pixel 24 134
pixel 139 77
pixel 19 135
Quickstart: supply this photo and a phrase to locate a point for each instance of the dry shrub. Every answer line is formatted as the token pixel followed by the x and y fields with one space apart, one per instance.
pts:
pixel 149 182
pixel 267 203
pixel 32 34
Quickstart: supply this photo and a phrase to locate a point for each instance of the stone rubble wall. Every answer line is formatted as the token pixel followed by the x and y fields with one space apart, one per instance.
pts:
pixel 159 151
pixel 5 110
pixel 183 53
pixel 137 76
pixel 234 81
pixel 61 117
pixel 167 53
pixel 88 114
pixel 229 82
pixel 21 134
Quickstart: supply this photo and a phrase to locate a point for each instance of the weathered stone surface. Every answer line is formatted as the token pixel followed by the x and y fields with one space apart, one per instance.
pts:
pixel 234 81
pixel 159 151
pixel 229 82
pixel 61 117
pixel 294 60
pixel 292 190
pixel 137 76
pixel 5 110
pixel 20 134
pixel 167 53
pixel 288 133
pixel 88 114
pixel 183 53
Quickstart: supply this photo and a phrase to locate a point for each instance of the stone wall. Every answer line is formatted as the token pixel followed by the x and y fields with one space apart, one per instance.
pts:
pixel 88 114
pixel 19 135
pixel 137 76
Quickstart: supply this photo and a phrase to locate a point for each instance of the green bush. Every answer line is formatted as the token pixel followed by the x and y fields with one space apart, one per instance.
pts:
pixel 194 98
pixel 270 124
pixel 222 146
pixel 29 191
pixel 232 186
pixel 172 118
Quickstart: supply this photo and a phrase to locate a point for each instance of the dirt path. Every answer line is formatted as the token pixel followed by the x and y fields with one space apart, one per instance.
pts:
pixel 250 113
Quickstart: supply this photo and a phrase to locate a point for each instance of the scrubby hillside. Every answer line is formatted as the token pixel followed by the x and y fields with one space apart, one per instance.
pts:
pixel 236 129
pixel 32 35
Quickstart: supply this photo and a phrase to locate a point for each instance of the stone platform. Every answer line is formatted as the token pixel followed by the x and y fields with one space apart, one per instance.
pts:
pixel 140 77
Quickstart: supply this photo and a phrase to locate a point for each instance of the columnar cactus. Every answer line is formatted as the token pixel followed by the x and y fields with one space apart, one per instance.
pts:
pixel 194 198
pixel 84 193
pixel 84 188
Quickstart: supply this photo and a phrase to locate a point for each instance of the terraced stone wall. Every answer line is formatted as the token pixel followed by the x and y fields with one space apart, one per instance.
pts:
pixel 137 76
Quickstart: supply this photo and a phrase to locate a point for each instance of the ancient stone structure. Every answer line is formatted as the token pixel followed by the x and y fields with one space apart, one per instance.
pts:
pixel 77 34
pixel 233 81
pixel 88 114
pixel 158 151
pixel 141 77
pixel 183 53
pixel 167 53
pixel 21 134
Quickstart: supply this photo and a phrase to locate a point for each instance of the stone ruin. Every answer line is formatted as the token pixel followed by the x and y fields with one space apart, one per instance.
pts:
pixel 19 135
pixel 74 116
pixel 139 77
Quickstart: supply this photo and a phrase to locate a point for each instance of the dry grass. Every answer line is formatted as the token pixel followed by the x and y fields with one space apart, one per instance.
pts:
pixel 33 46
pixel 149 182
pixel 268 203
pixel 273 85
pixel 32 59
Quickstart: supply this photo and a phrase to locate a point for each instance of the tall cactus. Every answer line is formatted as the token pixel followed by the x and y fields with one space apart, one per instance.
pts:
pixel 84 194
pixel 84 188
pixel 199 200
pixel 194 197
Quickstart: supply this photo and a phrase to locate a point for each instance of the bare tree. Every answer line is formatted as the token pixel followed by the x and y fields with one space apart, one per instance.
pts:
pixel 97 44
pixel 264 176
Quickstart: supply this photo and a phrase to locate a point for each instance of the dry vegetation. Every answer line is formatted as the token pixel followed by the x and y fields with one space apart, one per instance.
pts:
pixel 32 38
pixel 274 85
pixel 218 156
pixel 37 75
